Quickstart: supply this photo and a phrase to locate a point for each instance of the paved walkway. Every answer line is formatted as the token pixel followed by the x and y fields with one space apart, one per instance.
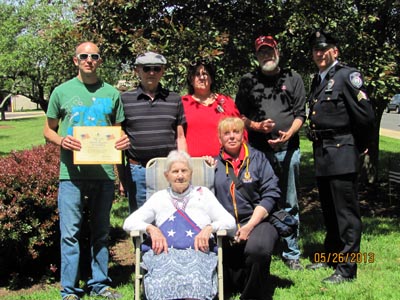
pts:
pixel 25 114
pixel 390 133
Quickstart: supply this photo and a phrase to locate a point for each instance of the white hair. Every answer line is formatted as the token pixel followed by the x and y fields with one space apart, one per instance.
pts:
pixel 178 156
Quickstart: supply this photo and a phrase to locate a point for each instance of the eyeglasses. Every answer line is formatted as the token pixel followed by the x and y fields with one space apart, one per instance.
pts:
pixel 85 56
pixel 155 69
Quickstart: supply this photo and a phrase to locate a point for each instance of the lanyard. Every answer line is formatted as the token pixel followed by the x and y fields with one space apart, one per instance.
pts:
pixel 235 210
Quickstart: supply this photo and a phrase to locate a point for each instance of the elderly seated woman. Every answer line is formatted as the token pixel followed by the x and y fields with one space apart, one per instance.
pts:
pixel 180 264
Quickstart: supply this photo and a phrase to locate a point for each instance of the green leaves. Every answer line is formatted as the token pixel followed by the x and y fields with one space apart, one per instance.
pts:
pixel 37 39
pixel 184 30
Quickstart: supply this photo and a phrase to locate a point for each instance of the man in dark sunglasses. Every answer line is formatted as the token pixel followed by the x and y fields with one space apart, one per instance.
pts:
pixel 154 121
pixel 84 100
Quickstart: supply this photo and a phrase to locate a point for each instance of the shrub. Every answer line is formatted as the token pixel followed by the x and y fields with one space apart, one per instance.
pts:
pixel 28 210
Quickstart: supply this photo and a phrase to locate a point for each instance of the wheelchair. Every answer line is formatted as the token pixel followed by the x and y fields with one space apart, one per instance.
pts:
pixel 203 175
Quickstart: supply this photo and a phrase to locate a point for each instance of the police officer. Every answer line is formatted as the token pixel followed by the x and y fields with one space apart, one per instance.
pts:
pixel 341 119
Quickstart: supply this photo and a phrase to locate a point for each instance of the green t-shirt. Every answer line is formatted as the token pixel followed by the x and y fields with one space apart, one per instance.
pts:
pixel 77 104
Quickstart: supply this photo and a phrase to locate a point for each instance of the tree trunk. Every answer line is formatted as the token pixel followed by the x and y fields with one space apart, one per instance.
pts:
pixel 43 104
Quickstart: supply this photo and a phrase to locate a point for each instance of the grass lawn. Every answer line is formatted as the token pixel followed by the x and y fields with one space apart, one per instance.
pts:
pixel 379 267
pixel 21 134
pixel 377 278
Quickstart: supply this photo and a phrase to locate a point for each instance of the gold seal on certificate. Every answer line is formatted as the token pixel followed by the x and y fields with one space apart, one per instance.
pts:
pixel 98 145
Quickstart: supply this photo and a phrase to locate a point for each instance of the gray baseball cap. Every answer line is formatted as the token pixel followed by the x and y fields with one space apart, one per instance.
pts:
pixel 150 58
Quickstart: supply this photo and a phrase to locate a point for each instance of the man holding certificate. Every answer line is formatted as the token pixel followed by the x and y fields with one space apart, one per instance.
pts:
pixel 80 118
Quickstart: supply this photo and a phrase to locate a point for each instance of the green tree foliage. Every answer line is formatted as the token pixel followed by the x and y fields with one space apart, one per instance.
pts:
pixel 368 31
pixel 225 30
pixel 38 38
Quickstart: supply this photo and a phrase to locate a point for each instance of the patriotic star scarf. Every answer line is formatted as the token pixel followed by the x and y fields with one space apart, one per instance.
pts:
pixel 179 229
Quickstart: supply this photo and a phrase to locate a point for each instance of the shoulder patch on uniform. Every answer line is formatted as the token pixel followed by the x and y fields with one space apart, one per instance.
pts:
pixel 356 80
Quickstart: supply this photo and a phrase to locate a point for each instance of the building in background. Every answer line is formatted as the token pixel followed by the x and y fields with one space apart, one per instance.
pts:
pixel 22 103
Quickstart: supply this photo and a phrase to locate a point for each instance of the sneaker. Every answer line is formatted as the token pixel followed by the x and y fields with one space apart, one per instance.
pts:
pixel 107 293
pixel 315 266
pixel 337 279
pixel 71 297
pixel 294 264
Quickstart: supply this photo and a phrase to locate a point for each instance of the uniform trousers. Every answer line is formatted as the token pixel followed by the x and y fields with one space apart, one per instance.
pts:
pixel 341 211
pixel 246 265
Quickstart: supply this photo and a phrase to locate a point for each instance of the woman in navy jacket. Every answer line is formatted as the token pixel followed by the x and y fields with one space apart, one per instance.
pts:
pixel 250 200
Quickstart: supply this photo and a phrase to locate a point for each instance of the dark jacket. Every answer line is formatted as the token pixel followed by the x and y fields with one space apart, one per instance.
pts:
pixel 258 179
pixel 341 121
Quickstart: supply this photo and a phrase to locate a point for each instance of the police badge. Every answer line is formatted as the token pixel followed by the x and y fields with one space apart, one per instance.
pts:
pixel 356 80
pixel 329 87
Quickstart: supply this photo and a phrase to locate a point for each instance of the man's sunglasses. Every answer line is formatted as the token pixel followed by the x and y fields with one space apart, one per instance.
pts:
pixel 155 69
pixel 85 56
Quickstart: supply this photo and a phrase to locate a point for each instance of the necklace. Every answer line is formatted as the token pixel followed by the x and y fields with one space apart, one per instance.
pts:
pixel 207 101
pixel 180 200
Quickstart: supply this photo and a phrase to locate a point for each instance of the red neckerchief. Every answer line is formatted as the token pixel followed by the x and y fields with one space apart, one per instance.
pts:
pixel 236 162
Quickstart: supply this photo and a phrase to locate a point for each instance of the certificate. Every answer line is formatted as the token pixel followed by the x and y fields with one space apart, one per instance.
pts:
pixel 98 145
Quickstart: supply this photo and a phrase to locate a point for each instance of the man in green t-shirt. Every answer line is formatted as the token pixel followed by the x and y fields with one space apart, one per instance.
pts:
pixel 85 100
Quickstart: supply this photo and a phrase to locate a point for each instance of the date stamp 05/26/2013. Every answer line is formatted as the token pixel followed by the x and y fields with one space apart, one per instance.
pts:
pixel 334 258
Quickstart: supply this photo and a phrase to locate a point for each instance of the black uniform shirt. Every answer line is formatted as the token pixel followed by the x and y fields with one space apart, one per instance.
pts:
pixel 280 98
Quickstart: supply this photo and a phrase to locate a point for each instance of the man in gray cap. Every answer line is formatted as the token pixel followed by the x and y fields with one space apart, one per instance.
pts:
pixel 154 122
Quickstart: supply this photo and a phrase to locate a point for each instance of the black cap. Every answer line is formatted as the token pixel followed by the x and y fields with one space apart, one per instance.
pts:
pixel 320 39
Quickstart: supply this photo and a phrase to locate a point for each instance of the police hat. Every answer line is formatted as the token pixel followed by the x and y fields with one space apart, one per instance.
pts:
pixel 320 39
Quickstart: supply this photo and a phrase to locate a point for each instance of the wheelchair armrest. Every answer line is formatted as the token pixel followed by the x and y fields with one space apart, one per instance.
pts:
pixel 137 237
pixel 222 233
pixel 220 236
pixel 135 233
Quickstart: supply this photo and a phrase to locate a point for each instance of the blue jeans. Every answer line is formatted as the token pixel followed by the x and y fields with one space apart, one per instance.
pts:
pixel 291 247
pixel 137 187
pixel 72 197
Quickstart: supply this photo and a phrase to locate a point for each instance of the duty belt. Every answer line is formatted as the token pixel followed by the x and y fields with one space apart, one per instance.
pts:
pixel 315 135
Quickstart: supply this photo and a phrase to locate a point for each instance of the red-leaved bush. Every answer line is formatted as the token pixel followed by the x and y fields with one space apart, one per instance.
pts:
pixel 29 229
